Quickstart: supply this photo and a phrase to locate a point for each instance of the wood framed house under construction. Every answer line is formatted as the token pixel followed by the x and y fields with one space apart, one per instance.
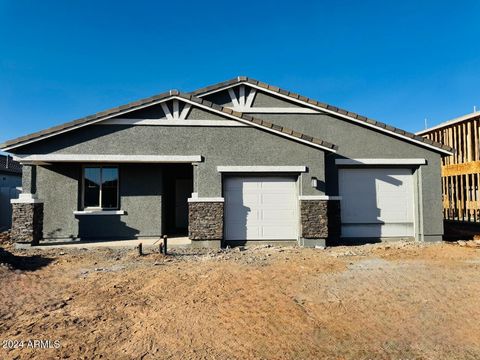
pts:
pixel 460 171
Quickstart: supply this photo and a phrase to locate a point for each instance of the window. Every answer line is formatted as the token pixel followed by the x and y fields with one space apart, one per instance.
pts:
pixel 100 187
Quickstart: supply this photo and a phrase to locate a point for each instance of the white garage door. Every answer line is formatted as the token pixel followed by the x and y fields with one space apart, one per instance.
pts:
pixel 376 202
pixel 260 208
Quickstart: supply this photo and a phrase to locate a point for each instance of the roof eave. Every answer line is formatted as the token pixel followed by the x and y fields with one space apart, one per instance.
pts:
pixel 405 135
pixel 89 120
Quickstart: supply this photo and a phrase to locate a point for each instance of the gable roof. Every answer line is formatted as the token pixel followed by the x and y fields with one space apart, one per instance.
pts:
pixel 457 120
pixel 8 165
pixel 405 135
pixel 172 94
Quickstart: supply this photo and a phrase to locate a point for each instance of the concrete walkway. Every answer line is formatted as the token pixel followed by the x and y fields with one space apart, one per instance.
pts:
pixel 174 242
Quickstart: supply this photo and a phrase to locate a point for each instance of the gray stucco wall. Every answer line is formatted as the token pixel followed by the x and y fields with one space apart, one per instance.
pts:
pixel 220 146
pixel 140 185
pixel 59 186
pixel 357 141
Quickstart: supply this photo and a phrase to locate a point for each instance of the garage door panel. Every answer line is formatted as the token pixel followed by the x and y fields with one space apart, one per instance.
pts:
pixel 273 216
pixel 377 230
pixel 249 198
pixel 260 208
pixel 393 215
pixel 237 231
pixel 278 232
pixel 276 202
pixel 276 185
pixel 376 202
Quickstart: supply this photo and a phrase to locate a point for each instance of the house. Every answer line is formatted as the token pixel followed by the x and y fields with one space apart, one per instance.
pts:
pixel 10 180
pixel 461 170
pixel 233 162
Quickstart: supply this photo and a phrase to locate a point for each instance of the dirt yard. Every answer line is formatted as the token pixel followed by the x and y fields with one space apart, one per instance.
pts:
pixel 385 301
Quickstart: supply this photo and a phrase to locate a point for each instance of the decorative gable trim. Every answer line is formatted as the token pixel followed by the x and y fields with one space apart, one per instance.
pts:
pixel 164 122
pixel 159 99
pixel 243 104
pixel 322 107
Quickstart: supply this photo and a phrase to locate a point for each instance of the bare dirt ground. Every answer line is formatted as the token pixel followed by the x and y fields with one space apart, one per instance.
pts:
pixel 385 301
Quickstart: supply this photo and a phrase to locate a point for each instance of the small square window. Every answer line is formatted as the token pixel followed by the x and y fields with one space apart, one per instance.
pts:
pixel 100 187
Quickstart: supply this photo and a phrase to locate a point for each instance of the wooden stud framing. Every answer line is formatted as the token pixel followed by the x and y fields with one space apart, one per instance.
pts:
pixel 461 171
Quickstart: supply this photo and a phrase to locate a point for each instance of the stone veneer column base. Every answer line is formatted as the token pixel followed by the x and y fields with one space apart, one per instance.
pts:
pixel 205 220
pixel 320 220
pixel 27 222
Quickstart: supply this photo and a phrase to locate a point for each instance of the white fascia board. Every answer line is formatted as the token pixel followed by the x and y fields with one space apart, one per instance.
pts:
pixel 380 162
pixel 321 109
pixel 100 212
pixel 166 122
pixel 85 124
pixel 274 110
pixel 257 125
pixel 49 158
pixel 188 102
pixel 319 197
pixel 267 169
pixel 205 199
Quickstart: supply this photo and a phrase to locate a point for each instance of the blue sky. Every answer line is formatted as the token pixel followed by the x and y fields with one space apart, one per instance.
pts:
pixel 397 62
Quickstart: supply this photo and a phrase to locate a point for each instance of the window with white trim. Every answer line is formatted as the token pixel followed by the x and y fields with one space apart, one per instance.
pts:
pixel 100 187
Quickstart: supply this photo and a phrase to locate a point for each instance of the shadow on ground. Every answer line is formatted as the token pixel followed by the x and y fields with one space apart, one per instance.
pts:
pixel 24 263
pixel 353 241
pixel 460 230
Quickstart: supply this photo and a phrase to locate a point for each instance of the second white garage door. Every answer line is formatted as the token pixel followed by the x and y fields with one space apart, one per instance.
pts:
pixel 260 208
pixel 377 202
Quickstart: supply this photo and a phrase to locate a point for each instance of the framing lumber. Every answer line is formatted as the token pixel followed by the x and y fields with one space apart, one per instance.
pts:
pixel 461 171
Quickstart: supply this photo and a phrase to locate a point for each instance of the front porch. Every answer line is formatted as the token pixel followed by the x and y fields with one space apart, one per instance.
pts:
pixel 88 203
pixel 147 243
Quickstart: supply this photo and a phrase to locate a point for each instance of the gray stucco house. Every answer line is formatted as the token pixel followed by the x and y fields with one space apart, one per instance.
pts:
pixel 237 161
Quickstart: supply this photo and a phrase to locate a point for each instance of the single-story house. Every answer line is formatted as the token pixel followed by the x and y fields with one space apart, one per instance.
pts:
pixel 10 181
pixel 233 162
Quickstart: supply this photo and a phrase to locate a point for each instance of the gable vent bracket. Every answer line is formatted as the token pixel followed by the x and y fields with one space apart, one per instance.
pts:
pixel 242 103
pixel 176 115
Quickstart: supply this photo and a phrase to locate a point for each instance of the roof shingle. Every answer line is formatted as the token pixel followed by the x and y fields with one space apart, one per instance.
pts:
pixel 383 126
pixel 7 164
pixel 164 96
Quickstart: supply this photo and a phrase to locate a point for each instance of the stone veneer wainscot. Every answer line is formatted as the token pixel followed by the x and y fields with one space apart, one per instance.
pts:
pixel 205 220
pixel 27 222
pixel 320 219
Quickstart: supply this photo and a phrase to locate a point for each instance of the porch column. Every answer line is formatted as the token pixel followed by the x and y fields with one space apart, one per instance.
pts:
pixel 319 219
pixel 205 221
pixel 27 210
pixel 205 213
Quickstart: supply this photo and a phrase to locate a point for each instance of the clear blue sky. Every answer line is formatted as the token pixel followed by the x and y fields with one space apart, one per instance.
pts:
pixel 397 62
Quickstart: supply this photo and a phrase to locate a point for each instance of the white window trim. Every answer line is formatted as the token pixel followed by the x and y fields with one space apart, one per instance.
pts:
pixel 99 208
pixel 361 162
pixel 247 169
pixel 100 212
pixel 319 197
